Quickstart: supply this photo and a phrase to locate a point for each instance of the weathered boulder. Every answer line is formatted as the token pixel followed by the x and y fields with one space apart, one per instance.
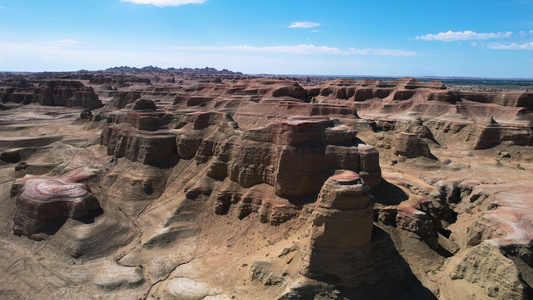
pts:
pixel 419 223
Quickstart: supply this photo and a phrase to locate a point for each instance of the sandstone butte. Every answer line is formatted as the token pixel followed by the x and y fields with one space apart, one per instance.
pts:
pixel 188 186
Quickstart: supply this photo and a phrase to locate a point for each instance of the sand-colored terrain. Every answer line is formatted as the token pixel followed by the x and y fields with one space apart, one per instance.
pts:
pixel 229 187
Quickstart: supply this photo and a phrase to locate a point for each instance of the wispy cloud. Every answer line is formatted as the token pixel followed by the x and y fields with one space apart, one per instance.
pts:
pixel 304 25
pixel 512 46
pixel 162 3
pixel 68 42
pixel 466 35
pixel 300 49
pixel 382 52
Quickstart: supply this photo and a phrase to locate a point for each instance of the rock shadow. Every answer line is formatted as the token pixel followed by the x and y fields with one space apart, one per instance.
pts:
pixel 390 287
pixel 387 193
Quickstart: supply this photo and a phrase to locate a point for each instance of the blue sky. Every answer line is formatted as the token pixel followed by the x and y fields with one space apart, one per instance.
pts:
pixel 479 38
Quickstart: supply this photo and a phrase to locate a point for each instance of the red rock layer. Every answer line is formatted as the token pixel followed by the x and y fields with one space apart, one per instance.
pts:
pixel 41 201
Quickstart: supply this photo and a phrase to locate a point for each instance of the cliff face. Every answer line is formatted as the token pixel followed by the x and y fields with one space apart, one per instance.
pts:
pixel 67 93
pixel 294 156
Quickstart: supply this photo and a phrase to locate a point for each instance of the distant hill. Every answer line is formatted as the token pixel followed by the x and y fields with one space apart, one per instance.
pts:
pixel 152 69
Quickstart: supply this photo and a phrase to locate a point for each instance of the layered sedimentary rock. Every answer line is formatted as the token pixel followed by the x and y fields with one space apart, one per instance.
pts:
pixel 43 201
pixel 67 93
pixel 294 156
pixel 341 248
pixel 349 89
pixel 302 153
pixel 125 141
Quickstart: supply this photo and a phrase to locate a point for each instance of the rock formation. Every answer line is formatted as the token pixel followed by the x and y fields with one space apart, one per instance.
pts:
pixel 67 93
pixel 295 156
pixel 410 145
pixel 341 247
pixel 44 201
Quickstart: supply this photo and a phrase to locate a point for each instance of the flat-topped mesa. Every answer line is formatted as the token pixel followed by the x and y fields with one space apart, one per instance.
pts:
pixel 299 130
pixel 43 201
pixel 297 155
pixel 341 249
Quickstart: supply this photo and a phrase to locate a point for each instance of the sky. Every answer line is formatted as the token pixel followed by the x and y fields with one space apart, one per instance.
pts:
pixel 473 38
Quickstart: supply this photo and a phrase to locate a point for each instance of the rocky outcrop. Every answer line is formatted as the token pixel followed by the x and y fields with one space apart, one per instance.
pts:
pixel 410 145
pixel 85 99
pixel 67 93
pixel 341 245
pixel 125 141
pixel 486 267
pixel 42 202
pixel 121 99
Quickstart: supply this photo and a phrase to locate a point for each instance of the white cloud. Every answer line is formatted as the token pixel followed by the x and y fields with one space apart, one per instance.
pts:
pixel 531 32
pixel 512 46
pixel 304 25
pixel 300 49
pixel 466 35
pixel 68 42
pixel 162 3
pixel 381 52
pixel 522 33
